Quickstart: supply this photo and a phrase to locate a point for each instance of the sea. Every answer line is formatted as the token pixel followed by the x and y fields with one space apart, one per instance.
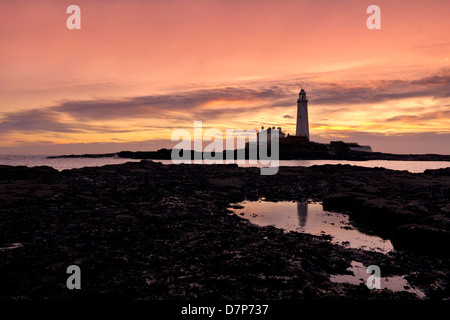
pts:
pixel 72 163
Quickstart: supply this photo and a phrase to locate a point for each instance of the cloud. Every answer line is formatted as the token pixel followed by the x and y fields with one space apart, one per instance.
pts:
pixel 432 45
pixel 180 107
pixel 45 120
pixel 35 120
pixel 239 104
pixel 438 115
pixel 381 90
pixel 158 106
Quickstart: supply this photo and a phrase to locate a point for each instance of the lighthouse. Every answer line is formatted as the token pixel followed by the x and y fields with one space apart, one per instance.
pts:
pixel 302 116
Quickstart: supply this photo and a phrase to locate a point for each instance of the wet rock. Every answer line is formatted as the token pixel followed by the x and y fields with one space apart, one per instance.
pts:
pixel 152 231
pixel 423 238
pixel 438 172
pixel 25 173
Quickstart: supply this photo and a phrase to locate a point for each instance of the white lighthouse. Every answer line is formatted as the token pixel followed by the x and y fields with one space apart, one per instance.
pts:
pixel 302 116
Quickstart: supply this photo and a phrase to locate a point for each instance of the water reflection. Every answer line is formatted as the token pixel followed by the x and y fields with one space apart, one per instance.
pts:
pixel 312 219
pixel 359 275
pixel 302 212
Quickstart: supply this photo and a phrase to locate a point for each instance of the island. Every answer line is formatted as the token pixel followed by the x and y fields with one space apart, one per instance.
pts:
pixel 291 148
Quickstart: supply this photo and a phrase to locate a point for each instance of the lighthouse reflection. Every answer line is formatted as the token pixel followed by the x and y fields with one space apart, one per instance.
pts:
pixel 310 218
pixel 302 213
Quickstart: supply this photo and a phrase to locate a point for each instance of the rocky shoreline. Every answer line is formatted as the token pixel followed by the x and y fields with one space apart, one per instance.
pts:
pixel 305 151
pixel 149 231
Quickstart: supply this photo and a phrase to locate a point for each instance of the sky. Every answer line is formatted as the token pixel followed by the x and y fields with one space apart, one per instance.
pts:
pixel 138 70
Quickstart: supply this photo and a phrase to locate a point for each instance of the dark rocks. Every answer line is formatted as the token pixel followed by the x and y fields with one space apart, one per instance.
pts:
pixel 150 231
pixel 438 172
pixel 25 173
pixel 423 238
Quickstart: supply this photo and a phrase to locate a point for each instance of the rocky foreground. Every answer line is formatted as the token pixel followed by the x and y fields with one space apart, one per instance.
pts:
pixel 152 231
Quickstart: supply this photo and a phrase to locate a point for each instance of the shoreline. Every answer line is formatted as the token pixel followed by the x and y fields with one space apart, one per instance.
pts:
pixel 354 156
pixel 144 230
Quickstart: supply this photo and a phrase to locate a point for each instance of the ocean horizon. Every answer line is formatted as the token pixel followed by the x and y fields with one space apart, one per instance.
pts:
pixel 75 163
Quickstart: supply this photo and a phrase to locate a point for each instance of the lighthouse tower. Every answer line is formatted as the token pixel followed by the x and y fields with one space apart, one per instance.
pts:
pixel 302 115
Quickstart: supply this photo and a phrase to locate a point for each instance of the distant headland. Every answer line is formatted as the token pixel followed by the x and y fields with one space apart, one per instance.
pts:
pixel 291 148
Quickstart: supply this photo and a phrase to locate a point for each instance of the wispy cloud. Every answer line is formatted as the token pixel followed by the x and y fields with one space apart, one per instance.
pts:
pixel 381 91
pixel 158 106
pixel 36 120
pixel 47 120
pixel 438 115
pixel 246 106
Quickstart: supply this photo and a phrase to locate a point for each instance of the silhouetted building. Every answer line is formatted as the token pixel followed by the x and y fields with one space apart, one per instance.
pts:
pixel 268 133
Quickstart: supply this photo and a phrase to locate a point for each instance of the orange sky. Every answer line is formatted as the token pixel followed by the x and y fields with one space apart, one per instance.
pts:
pixel 137 70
